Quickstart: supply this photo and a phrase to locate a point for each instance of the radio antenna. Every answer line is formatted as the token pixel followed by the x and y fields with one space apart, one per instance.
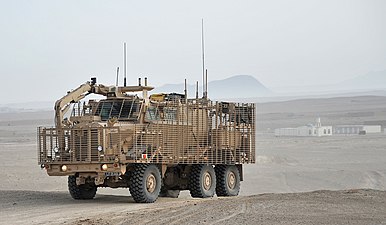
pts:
pixel 206 83
pixel 197 90
pixel 116 83
pixel 124 65
pixel 186 92
pixel 203 58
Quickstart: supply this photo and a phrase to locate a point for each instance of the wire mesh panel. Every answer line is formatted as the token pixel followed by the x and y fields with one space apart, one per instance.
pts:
pixel 174 132
pixel 196 132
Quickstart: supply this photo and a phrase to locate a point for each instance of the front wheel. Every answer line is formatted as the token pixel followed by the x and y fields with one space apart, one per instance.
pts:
pixel 83 191
pixel 228 180
pixel 145 183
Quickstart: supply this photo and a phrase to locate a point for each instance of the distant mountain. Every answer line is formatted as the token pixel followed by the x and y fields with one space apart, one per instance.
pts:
pixel 239 86
pixel 26 107
pixel 372 80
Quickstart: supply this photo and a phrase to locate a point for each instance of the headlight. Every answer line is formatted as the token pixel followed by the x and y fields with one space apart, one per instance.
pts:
pixel 56 149
pixel 100 148
pixel 64 168
pixel 104 167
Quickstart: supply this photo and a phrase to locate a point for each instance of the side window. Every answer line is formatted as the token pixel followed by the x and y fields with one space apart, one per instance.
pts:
pixel 152 114
pixel 170 114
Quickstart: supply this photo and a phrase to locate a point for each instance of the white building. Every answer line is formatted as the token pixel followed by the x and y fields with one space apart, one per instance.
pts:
pixel 305 131
pixel 356 129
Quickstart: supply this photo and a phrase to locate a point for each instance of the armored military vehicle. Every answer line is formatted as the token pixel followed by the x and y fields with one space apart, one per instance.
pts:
pixel 155 145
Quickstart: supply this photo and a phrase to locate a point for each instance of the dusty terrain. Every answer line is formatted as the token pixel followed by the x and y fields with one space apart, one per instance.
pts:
pixel 297 168
pixel 319 207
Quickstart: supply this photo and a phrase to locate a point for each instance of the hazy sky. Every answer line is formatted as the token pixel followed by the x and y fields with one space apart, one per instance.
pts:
pixel 48 47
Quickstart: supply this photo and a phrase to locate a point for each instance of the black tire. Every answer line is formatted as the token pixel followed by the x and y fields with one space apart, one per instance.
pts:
pixel 202 182
pixel 84 191
pixel 228 180
pixel 145 183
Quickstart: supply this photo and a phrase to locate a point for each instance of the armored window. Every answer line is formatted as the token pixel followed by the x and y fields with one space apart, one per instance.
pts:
pixel 130 109
pixel 152 113
pixel 118 108
pixel 170 114
pixel 103 110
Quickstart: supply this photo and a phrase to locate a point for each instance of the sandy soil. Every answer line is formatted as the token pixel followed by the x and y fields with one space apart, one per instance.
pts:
pixel 284 165
pixel 319 207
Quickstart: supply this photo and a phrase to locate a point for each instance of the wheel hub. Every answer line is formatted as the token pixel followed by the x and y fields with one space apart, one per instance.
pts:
pixel 207 181
pixel 231 180
pixel 151 183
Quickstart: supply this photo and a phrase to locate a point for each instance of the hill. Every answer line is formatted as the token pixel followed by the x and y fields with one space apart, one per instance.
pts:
pixel 371 80
pixel 239 86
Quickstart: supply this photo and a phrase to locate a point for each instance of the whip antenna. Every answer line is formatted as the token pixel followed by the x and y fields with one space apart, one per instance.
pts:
pixel 124 65
pixel 203 58
pixel 197 90
pixel 186 92
pixel 116 83
pixel 206 83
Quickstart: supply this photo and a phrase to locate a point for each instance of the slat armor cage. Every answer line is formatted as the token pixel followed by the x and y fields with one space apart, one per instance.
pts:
pixel 194 131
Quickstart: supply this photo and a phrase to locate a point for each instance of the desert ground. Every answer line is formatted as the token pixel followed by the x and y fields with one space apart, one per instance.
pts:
pixel 296 180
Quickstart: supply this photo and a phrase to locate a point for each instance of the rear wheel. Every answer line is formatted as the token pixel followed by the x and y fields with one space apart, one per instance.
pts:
pixel 202 181
pixel 228 180
pixel 83 191
pixel 145 183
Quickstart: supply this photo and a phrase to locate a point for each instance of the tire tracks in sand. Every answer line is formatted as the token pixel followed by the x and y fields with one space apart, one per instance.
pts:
pixel 236 213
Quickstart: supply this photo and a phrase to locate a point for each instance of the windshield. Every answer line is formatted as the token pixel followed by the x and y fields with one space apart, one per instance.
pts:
pixel 122 109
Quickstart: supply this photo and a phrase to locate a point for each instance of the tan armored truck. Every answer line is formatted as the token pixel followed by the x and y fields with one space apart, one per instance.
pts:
pixel 154 145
